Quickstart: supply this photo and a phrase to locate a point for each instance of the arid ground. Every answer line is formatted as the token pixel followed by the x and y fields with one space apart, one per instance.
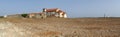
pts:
pixel 60 27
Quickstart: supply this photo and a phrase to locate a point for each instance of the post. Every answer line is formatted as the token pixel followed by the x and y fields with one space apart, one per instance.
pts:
pixel 104 15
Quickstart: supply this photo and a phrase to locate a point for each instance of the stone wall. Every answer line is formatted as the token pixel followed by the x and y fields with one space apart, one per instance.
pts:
pixel 13 16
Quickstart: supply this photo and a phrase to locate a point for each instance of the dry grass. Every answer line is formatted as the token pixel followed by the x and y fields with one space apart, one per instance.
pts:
pixel 60 27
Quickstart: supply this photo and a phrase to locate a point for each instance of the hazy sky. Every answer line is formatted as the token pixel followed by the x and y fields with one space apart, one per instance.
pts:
pixel 74 8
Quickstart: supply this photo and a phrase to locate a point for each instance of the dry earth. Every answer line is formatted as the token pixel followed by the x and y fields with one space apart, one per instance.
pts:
pixel 60 27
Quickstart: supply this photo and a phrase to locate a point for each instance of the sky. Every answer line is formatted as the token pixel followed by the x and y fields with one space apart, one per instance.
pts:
pixel 73 8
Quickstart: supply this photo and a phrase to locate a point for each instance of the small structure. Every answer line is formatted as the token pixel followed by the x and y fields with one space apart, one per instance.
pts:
pixel 5 16
pixel 36 15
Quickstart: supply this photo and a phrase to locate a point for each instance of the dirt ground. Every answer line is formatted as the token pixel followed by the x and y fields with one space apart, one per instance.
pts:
pixel 60 27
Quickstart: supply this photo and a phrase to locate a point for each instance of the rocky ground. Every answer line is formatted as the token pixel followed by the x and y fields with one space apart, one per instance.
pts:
pixel 60 27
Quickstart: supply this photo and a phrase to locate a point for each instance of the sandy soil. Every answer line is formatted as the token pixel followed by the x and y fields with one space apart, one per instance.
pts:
pixel 60 27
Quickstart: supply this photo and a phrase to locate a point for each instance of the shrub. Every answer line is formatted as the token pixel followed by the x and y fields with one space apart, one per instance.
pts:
pixel 1 16
pixel 24 15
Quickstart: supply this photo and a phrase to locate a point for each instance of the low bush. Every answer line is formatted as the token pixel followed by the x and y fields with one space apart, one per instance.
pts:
pixel 24 15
